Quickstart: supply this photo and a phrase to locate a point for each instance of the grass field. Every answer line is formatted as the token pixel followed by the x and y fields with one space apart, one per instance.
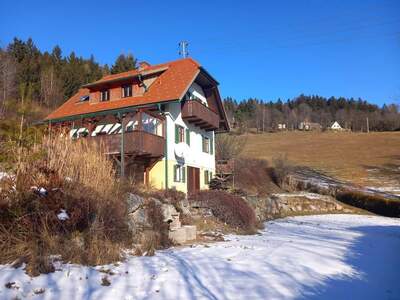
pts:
pixel 369 159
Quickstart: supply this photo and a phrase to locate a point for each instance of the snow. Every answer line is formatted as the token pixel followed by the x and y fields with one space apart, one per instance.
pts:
pixel 309 257
pixel 395 190
pixel 308 195
pixel 62 216
pixel 40 190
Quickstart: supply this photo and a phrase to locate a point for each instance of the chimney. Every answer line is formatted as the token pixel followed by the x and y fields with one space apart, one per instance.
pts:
pixel 143 65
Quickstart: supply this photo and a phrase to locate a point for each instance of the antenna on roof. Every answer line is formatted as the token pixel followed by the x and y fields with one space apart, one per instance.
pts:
pixel 183 49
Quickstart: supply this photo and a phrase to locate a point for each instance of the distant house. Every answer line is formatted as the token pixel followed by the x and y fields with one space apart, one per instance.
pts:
pixel 336 126
pixel 309 126
pixel 281 126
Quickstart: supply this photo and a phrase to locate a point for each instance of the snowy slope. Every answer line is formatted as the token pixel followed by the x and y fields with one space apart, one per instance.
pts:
pixel 311 257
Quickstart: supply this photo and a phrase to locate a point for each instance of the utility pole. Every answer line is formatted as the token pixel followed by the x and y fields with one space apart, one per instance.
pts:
pixel 183 49
pixel 367 125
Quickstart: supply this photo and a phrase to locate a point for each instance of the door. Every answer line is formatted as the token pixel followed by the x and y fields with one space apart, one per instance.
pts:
pixel 193 182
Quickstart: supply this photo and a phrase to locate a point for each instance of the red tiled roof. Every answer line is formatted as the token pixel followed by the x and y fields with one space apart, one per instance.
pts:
pixel 169 86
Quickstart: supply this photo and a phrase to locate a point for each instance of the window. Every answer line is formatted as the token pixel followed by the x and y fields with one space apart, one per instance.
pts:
pixel 206 144
pixel 179 134
pixel 85 98
pixel 127 91
pixel 105 95
pixel 206 177
pixel 179 173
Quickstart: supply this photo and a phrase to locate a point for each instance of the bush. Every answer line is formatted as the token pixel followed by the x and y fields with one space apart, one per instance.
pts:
pixel 253 176
pixel 228 208
pixel 281 169
pixel 57 175
pixel 373 203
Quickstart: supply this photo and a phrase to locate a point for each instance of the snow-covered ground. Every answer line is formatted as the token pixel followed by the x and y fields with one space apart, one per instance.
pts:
pixel 311 257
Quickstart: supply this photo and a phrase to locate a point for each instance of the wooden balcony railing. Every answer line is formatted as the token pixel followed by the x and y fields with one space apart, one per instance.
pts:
pixel 200 115
pixel 135 142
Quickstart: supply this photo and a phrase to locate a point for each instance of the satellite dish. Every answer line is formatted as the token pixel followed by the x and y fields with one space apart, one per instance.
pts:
pixel 182 150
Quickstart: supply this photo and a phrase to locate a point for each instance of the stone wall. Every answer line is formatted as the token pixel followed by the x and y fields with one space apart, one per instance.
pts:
pixel 286 204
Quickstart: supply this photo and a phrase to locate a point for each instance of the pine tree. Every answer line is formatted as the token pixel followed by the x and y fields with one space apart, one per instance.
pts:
pixel 124 63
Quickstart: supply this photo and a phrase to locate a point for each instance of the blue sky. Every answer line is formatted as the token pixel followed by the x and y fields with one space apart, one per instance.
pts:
pixel 262 49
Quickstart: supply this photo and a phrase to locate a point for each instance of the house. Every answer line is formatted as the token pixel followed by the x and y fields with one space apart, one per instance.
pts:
pixel 336 126
pixel 281 126
pixel 158 122
pixel 309 126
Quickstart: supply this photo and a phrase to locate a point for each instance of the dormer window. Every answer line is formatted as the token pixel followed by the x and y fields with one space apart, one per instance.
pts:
pixel 85 98
pixel 105 95
pixel 127 91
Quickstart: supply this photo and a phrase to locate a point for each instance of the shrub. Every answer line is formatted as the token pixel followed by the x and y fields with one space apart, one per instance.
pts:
pixel 281 169
pixel 253 176
pixel 56 175
pixel 228 208
pixel 373 203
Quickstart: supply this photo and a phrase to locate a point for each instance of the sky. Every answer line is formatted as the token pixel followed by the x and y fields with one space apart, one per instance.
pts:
pixel 260 49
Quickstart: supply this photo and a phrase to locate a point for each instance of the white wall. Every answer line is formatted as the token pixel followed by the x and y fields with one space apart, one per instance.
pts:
pixel 196 157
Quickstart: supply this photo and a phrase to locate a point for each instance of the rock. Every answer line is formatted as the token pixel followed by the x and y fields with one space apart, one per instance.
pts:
pixel 185 206
pixel 169 212
pixel 339 207
pixel 138 220
pixel 133 202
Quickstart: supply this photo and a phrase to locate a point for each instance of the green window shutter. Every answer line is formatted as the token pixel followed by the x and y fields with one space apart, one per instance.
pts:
pixel 206 177
pixel 175 173
pixel 183 174
pixel 176 134
pixel 188 136
pixel 212 145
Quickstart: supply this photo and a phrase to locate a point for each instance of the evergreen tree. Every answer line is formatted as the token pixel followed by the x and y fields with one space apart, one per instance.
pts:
pixel 124 63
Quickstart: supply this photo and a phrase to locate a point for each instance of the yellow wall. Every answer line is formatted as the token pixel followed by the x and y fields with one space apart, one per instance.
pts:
pixel 157 177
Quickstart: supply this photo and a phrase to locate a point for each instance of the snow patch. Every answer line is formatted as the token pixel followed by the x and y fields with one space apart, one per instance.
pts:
pixel 62 216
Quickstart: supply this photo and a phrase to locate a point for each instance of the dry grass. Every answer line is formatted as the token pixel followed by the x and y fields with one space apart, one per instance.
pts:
pixel 78 179
pixel 344 155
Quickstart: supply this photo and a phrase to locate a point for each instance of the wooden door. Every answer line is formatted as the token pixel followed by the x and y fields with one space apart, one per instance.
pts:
pixel 193 180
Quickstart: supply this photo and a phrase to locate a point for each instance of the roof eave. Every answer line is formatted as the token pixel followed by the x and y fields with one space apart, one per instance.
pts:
pixel 106 112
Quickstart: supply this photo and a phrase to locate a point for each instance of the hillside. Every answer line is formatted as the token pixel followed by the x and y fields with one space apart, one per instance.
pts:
pixel 368 159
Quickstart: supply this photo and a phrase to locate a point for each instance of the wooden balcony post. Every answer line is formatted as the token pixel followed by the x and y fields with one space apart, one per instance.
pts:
pixel 122 150
pixel 140 120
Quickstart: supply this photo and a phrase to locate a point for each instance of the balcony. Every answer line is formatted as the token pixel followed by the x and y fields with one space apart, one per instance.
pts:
pixel 200 115
pixel 136 142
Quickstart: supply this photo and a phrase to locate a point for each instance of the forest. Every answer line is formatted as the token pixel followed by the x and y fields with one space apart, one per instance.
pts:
pixel 352 114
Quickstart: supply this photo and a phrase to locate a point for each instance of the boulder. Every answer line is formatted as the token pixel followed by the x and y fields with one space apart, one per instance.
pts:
pixel 169 212
pixel 133 202
pixel 138 220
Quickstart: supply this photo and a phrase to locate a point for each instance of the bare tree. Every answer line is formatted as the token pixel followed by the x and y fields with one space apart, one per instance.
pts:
pixel 7 79
pixel 50 87
pixel 229 146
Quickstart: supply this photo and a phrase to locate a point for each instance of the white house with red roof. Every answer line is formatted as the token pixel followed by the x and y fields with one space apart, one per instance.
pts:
pixel 158 122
